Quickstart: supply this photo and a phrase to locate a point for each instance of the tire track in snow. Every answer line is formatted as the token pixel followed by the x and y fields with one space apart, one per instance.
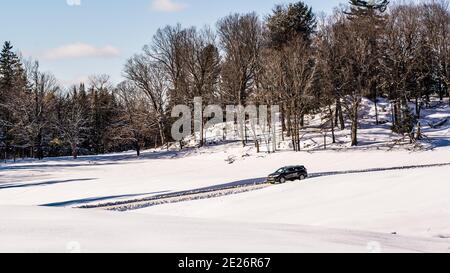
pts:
pixel 379 170
pixel 214 191
pixel 183 198
pixel 228 189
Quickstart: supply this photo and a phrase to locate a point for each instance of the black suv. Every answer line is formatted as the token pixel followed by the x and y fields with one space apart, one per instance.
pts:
pixel 290 173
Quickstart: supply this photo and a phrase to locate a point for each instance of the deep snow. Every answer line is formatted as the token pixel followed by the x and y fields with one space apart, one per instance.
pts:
pixel 80 182
pixel 408 202
pixel 347 212
pixel 37 229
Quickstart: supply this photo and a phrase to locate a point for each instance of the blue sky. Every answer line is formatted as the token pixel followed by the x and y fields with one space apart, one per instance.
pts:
pixel 77 38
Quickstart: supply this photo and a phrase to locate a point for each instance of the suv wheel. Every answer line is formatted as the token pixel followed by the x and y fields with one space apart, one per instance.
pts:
pixel 302 177
pixel 283 180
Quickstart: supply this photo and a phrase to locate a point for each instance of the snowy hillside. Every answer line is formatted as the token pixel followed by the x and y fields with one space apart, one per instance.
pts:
pixel 370 136
pixel 378 206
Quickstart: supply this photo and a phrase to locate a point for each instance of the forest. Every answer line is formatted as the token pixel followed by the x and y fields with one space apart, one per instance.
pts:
pixel 306 63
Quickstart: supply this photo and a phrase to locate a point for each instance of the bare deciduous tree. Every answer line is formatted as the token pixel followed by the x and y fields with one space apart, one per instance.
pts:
pixel 149 78
pixel 136 120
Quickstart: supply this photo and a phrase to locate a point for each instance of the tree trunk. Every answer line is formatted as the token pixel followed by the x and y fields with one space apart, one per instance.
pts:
pixel 245 130
pixel 354 133
pixel 333 135
pixel 283 121
pixel 294 146
pixel 336 116
pixel 377 122
pixel 448 91
pixel 161 132
pixel 138 148
pixel 392 114
pixel 355 124
pixel 243 133
pixel 297 135
pixel 74 151
pixel 396 115
pixel 289 122
pixel 418 108
pixel 302 121
pixel 291 132
pixel 419 131
pixel 340 114
pixel 39 152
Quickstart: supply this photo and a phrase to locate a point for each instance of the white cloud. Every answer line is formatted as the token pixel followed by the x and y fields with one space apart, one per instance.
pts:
pixel 73 2
pixel 168 5
pixel 81 50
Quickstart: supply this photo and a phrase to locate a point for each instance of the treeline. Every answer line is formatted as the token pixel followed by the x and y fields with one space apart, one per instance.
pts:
pixel 292 58
pixel 39 119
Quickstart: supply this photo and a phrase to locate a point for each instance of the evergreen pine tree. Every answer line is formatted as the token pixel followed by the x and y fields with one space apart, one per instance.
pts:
pixel 287 22
pixel 12 81
pixel 369 21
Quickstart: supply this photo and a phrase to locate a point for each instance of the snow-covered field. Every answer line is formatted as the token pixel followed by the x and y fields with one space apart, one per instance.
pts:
pixel 394 211
pixel 34 229
pixel 409 202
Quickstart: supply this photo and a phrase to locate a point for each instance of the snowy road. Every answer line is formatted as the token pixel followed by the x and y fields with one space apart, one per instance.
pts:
pixel 227 189
pixel 178 197
pixel 380 169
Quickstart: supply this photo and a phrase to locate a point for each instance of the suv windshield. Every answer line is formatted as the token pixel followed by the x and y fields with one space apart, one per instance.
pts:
pixel 282 170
